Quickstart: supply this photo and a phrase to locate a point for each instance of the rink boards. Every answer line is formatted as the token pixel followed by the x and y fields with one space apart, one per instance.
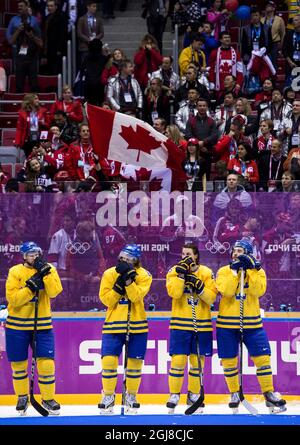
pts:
pixel 78 361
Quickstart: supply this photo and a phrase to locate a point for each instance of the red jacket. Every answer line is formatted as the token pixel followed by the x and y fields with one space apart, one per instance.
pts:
pixel 73 110
pixel 23 125
pixel 83 152
pixel 226 147
pixel 142 68
pixel 251 169
pixel 263 96
pixel 67 159
pixel 107 73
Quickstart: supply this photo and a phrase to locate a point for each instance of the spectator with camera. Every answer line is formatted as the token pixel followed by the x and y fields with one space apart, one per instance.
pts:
pixel 24 34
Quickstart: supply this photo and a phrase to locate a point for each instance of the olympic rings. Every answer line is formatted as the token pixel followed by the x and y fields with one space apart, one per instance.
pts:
pixel 78 247
pixel 217 247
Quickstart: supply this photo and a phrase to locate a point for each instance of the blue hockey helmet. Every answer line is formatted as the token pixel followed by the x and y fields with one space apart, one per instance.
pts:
pixel 245 244
pixel 132 251
pixel 30 247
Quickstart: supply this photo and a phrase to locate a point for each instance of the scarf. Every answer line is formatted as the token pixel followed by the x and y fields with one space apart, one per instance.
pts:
pixel 233 58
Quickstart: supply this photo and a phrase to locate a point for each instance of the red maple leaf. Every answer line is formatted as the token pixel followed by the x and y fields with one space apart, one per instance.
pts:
pixel 154 185
pixel 139 139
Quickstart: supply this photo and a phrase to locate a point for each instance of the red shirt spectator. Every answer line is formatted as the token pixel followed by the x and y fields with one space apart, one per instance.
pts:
pixel 146 60
pixel 243 164
pixel 112 66
pixel 31 120
pixel 226 148
pixel 66 159
pixel 83 150
pixel 72 107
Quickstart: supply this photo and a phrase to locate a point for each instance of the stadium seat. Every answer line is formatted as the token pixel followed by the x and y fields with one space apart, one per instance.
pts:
pixel 7 64
pixel 8 120
pixel 8 136
pixel 18 167
pixel 11 84
pixel 5 48
pixel 46 84
pixel 9 154
pixel 7 168
pixel 12 5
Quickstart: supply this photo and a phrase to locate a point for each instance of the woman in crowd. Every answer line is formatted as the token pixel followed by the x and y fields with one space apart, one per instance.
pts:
pixel 147 60
pixel 31 120
pixel 242 106
pixel 34 177
pixel 156 102
pixel 243 165
pixel 112 67
pixel 194 167
pixel 69 105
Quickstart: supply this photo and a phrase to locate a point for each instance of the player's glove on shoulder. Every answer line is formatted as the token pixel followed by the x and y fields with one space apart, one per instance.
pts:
pixel 42 266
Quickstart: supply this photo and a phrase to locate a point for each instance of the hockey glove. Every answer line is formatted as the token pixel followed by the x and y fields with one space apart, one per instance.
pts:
pixel 243 262
pixel 42 266
pixel 123 267
pixel 194 283
pixel 35 283
pixel 119 286
pixel 129 277
pixel 183 266
pixel 247 261
pixel 236 264
pixel 256 262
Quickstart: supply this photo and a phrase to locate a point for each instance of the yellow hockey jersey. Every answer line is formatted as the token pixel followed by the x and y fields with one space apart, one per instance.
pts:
pixel 20 298
pixel 227 282
pixel 117 306
pixel 181 317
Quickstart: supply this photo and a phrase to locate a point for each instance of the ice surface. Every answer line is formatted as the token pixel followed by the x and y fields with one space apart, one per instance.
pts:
pixel 293 408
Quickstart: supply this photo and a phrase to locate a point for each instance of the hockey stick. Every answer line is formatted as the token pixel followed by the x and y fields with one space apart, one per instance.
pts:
pixel 125 359
pixel 39 408
pixel 191 409
pixel 246 404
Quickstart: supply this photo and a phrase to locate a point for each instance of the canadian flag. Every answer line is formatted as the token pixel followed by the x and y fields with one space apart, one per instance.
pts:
pixel 126 139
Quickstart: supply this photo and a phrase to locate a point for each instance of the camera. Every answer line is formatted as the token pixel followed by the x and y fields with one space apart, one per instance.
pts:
pixel 27 26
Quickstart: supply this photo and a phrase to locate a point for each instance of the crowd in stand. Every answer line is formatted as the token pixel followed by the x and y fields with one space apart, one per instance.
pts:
pixel 228 109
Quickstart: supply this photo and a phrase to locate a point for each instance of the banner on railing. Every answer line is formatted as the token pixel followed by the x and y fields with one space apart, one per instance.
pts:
pixel 78 348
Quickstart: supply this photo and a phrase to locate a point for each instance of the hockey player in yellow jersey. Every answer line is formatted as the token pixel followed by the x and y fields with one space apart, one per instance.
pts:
pixel 254 336
pixel 35 277
pixel 185 277
pixel 123 289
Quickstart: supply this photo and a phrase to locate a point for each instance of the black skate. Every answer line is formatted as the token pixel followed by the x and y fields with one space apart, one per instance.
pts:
pixel 191 399
pixel 51 406
pixel 22 405
pixel 106 406
pixel 131 404
pixel 172 402
pixel 234 402
pixel 274 402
